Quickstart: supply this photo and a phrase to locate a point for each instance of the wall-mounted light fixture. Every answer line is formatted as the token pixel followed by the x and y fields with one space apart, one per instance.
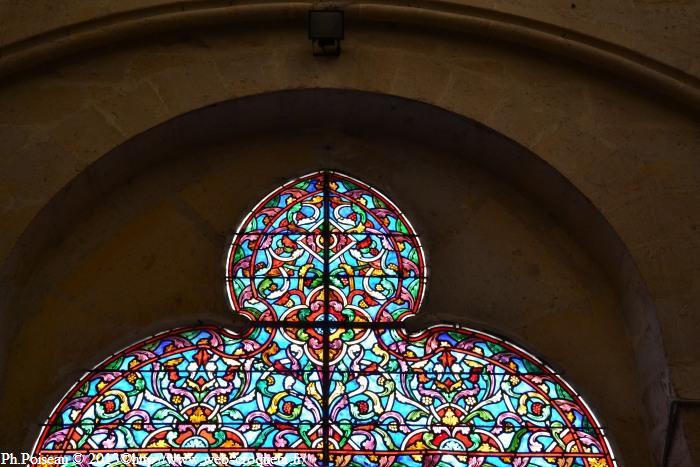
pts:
pixel 326 30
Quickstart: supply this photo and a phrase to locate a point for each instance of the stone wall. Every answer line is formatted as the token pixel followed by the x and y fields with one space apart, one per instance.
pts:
pixel 607 238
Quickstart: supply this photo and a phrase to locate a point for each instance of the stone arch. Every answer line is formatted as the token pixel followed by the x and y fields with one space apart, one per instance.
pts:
pixel 67 39
pixel 362 115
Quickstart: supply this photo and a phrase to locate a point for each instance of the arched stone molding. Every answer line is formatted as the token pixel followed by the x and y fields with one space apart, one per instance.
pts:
pixel 609 140
pixel 490 24
pixel 366 117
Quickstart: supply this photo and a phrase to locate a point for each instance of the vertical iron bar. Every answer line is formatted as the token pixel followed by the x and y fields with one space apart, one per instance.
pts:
pixel 326 384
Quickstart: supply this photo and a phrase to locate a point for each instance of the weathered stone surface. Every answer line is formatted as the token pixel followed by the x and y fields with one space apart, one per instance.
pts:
pixel 147 255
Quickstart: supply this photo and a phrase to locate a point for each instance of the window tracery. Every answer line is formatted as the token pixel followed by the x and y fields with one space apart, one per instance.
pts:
pixel 326 269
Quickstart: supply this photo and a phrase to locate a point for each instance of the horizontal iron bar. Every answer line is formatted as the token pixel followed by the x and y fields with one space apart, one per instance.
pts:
pixel 320 276
pixel 335 452
pixel 299 372
pixel 337 423
pixel 320 233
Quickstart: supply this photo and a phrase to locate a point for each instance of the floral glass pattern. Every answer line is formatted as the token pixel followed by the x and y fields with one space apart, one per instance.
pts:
pixel 325 268
pixel 326 232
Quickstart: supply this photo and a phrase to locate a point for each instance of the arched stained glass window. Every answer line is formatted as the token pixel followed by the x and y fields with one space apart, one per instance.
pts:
pixel 326 268
pixel 340 239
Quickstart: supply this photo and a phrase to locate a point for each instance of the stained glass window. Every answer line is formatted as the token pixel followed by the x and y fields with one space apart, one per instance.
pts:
pixel 326 269
pixel 339 239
